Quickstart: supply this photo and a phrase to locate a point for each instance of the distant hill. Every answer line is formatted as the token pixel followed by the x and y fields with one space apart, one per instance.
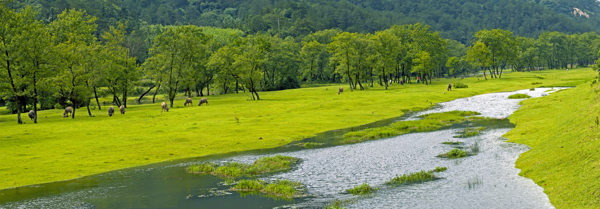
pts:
pixel 455 19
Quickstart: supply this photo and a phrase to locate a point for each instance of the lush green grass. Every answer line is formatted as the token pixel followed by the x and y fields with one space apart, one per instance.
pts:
pixel 470 132
pixel 59 148
pixel 519 96
pixel 279 189
pixel 416 177
pixel 562 132
pixel 363 189
pixel 261 166
pixel 428 123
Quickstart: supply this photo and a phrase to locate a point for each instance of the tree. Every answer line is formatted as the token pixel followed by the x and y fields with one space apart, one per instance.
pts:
pixel 174 54
pixel 310 56
pixel 73 32
pixel 36 46
pixel 479 55
pixel 341 51
pixel 253 55
pixel 13 76
pixel 386 46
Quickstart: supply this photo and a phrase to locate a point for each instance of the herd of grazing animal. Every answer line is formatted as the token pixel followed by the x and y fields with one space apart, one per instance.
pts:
pixel 164 106
pixel 111 109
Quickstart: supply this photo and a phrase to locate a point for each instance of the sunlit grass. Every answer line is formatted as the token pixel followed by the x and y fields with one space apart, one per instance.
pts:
pixel 563 135
pixel 60 148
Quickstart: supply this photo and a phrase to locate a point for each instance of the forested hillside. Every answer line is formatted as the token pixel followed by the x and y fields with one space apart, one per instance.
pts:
pixel 455 19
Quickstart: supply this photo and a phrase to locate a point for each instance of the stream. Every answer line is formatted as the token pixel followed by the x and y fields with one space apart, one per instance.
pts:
pixel 486 180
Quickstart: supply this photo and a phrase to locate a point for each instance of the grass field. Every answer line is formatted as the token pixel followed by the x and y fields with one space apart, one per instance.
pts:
pixel 562 131
pixel 60 148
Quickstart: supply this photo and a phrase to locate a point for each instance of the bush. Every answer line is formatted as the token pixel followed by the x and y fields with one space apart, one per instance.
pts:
pixel 460 85
pixel 416 177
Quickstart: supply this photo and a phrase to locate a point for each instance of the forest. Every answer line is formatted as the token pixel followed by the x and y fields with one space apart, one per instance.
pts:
pixel 68 61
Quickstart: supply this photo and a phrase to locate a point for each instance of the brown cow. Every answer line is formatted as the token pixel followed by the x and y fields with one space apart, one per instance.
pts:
pixel 67 111
pixel 203 100
pixel 122 109
pixel 188 101
pixel 449 86
pixel 341 91
pixel 111 111
pixel 165 107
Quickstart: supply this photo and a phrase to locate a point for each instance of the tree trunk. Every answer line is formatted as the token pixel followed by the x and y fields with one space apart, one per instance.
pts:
pixel 142 96
pixel 257 97
pixel 125 96
pixel 97 101
pixel 88 107
pixel 155 92
pixel 35 97
pixel 236 86
pixel 19 120
pixel 208 89
pixel 74 108
pixel 198 92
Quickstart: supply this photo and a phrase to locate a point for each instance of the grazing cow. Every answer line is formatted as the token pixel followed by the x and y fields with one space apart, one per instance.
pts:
pixel 341 91
pixel 32 114
pixel 203 100
pixel 449 86
pixel 122 109
pixel 68 110
pixel 165 107
pixel 111 111
pixel 188 101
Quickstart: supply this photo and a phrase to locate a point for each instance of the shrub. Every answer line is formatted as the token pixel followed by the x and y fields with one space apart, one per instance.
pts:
pixel 439 169
pixel 460 85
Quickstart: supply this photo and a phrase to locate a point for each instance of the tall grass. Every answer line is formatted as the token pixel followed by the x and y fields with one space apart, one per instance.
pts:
pixel 263 165
pixel 363 189
pixel 428 123
pixel 281 188
pixel 416 177
pixel 454 153
pixel 470 132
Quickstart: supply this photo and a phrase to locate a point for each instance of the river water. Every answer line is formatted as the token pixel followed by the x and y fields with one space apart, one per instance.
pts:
pixel 486 180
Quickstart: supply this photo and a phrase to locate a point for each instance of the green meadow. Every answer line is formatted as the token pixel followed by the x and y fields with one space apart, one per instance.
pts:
pixel 562 130
pixel 60 148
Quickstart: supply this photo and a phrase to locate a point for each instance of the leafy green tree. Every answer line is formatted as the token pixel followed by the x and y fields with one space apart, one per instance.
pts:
pixel 36 45
pixel 73 32
pixel 176 50
pixel 253 55
pixel 310 55
pixel 13 76
pixel 386 47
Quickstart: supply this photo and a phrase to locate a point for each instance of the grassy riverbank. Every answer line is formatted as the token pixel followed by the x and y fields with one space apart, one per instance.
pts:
pixel 58 148
pixel 563 133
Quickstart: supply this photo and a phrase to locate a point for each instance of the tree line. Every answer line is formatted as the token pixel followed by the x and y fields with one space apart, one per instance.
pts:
pixel 62 63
